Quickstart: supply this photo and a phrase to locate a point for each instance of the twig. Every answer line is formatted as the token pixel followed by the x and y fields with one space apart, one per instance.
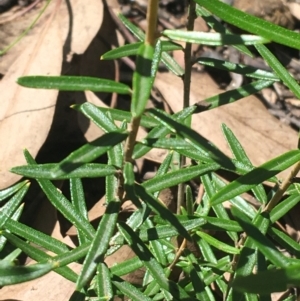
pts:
pixel 282 188
pixel 20 13
pixel 186 91
pixel 150 39
pixel 178 254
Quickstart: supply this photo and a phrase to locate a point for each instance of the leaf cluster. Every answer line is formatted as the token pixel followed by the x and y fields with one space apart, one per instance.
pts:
pixel 253 241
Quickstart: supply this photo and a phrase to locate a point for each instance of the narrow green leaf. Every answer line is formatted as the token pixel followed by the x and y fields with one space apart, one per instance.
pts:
pixel 256 176
pixel 236 94
pixel 160 232
pixel 170 63
pixel 189 200
pixel 284 207
pixel 12 257
pixel 252 24
pixel 237 201
pixel 280 70
pixel 34 236
pixel 178 176
pixel 282 279
pixel 238 68
pixel 264 245
pixel 157 247
pixel 89 152
pixel 144 255
pixel 194 138
pixel 12 205
pixel 40 256
pixel 126 266
pixel 217 26
pixel 137 32
pixel 196 275
pixel 15 217
pixel 142 80
pixel 129 184
pixel 73 255
pixel 140 215
pixel 248 256
pixel 16 274
pixel 134 222
pixel 5 193
pixel 213 38
pixel 161 210
pixel 171 143
pixel 220 224
pixel 61 203
pixel 218 244
pixel 150 263
pixel 161 131
pixel 100 118
pixel 132 49
pixel 97 113
pixel 240 154
pixel 104 285
pixel 73 83
pixel 220 211
pixel 285 241
pixel 99 244
pixel 130 291
pixel 78 201
pixel 49 171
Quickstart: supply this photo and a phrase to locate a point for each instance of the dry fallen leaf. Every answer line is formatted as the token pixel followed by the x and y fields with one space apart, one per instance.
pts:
pixel 26 114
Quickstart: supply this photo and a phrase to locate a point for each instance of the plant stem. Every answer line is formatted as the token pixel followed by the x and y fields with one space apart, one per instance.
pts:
pixel 135 123
pixel 151 22
pixel 178 254
pixel 186 92
pixel 150 39
pixel 282 188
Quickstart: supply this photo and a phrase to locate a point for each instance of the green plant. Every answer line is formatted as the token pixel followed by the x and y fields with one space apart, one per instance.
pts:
pixel 150 229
